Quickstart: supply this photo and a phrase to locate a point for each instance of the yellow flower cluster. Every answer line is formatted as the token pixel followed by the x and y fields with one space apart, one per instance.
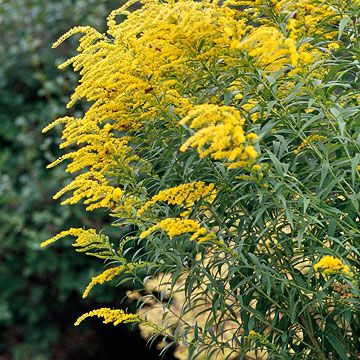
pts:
pixel 185 195
pixel 304 17
pixel 273 47
pixel 110 316
pixel 220 135
pixel 253 333
pixel 144 66
pixel 132 75
pixel 177 226
pixel 94 188
pixel 105 276
pixel 88 30
pixel 110 274
pixel 101 152
pixel 308 140
pixel 272 51
pixel 332 265
pixel 84 237
pixel 131 68
pixel 100 156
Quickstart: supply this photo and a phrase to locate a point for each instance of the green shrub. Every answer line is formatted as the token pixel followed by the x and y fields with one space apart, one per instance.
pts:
pixel 223 138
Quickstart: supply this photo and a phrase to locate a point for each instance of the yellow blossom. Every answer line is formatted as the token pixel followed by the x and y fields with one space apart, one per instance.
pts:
pixel 94 188
pixel 272 51
pixel 83 237
pixel 185 195
pixel 105 276
pixel 308 140
pixel 253 333
pixel 141 68
pixel 110 316
pixel 331 265
pixel 177 226
pixel 220 134
pixel 111 273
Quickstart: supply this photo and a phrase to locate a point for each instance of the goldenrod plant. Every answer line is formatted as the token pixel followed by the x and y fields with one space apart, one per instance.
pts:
pixel 223 139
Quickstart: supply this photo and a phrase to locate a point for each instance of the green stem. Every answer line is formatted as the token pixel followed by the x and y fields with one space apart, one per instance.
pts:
pixel 310 332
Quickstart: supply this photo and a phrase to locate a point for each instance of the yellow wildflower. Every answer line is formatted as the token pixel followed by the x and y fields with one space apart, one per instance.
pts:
pixel 308 140
pixel 110 274
pixel 105 276
pixel 94 188
pixel 110 316
pixel 139 69
pixel 185 195
pixel 251 152
pixel 253 333
pixel 331 265
pixel 177 226
pixel 83 237
pixel 272 51
pixel 220 135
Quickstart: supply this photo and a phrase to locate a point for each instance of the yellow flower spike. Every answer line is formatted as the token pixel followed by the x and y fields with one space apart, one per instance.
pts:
pixel 272 51
pixel 185 195
pixel 110 274
pixel 177 226
pixel 94 188
pixel 308 140
pixel 332 265
pixel 77 232
pixel 73 31
pixel 219 134
pixel 252 137
pixel 198 233
pixel 105 276
pixel 83 238
pixel 111 23
pixel 250 150
pixel 62 120
pixel 253 333
pixel 60 160
pixel 110 316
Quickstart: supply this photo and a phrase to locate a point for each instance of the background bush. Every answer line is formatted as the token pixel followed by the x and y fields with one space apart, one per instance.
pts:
pixel 39 294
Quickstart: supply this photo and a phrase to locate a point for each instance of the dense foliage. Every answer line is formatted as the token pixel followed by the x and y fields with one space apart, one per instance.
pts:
pixel 223 138
pixel 39 295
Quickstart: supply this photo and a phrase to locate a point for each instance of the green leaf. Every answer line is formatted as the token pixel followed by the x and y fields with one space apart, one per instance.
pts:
pixel 342 24
pixel 338 346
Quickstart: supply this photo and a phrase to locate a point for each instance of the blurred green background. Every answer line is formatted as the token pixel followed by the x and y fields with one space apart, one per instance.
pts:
pixel 40 290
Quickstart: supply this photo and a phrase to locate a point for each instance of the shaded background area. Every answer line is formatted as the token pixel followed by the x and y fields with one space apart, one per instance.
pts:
pixel 40 290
